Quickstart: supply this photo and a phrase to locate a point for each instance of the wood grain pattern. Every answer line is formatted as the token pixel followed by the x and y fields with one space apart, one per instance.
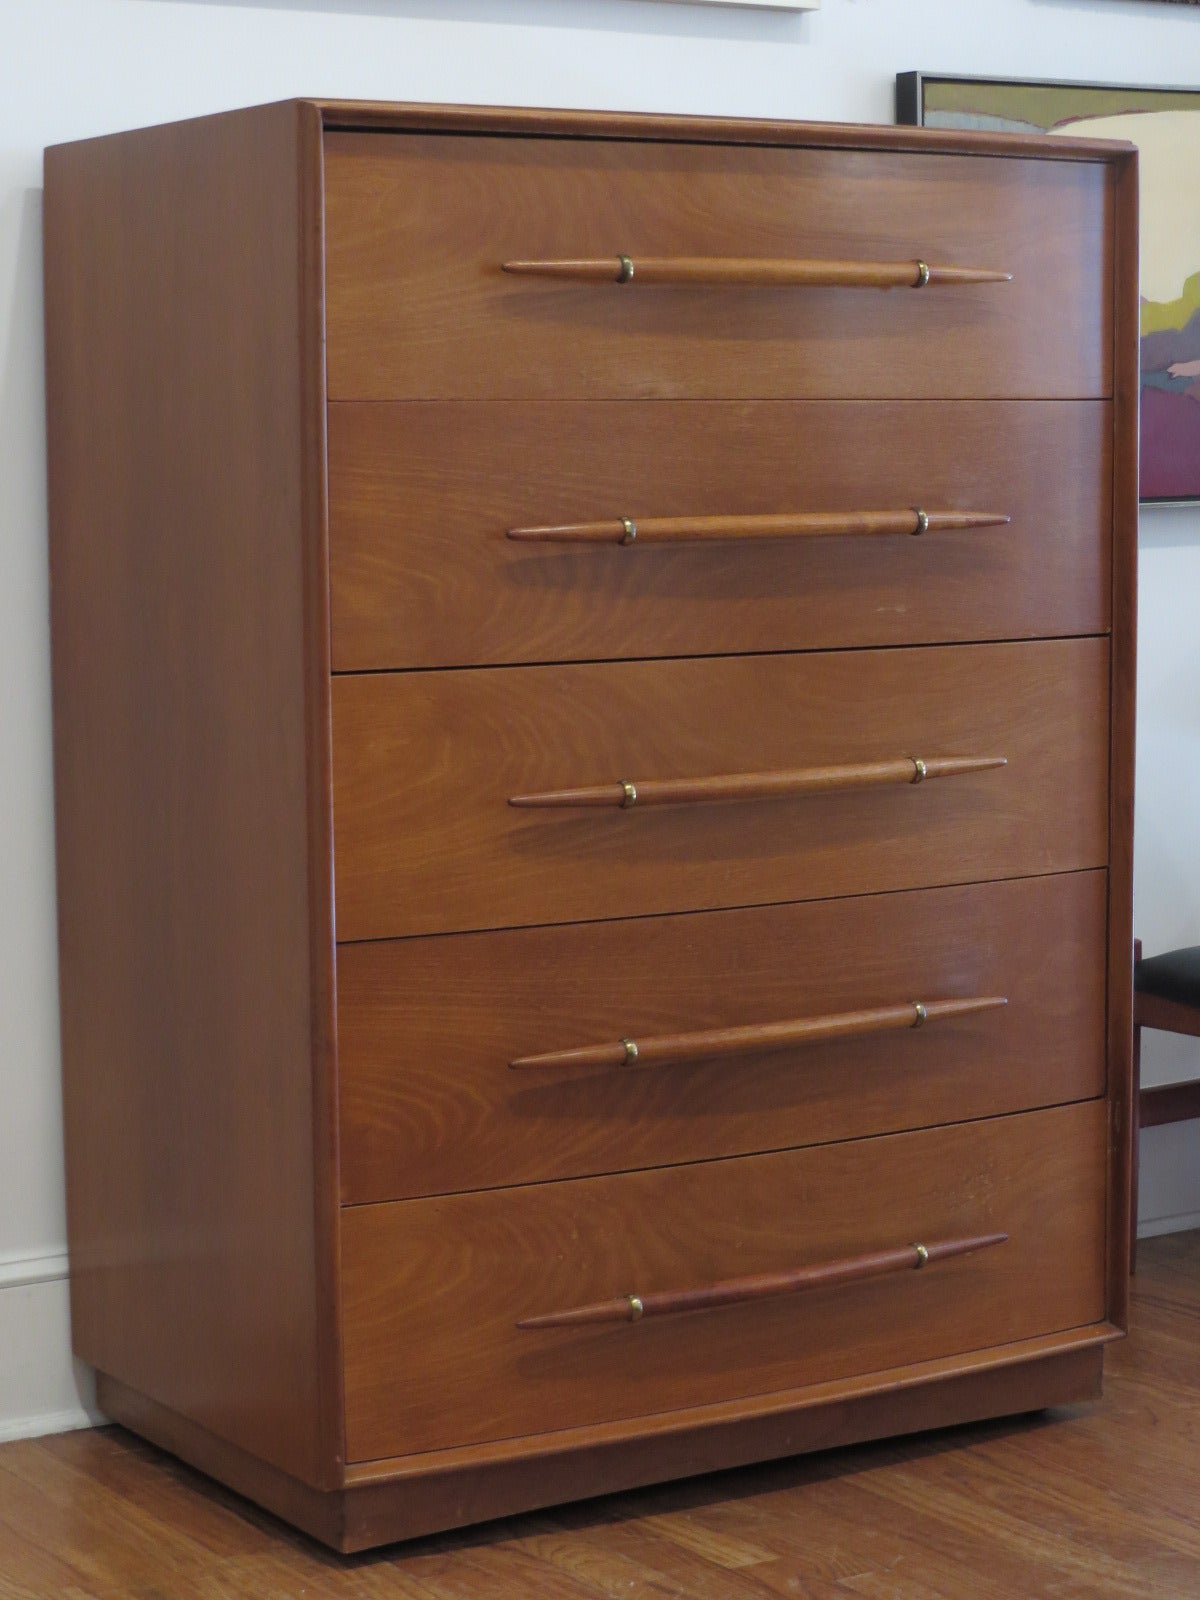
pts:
pixel 1127 400
pixel 420 308
pixel 400 1494
pixel 318 1512
pixel 553 122
pixel 422 494
pixel 425 841
pixel 426 1027
pixel 198 772
pixel 194 917
pixel 314 536
pixel 433 1288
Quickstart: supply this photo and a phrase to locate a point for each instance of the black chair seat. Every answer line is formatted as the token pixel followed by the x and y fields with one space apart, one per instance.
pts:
pixel 1174 975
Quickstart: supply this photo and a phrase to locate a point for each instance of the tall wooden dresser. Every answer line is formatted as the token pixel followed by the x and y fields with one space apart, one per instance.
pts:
pixel 593 694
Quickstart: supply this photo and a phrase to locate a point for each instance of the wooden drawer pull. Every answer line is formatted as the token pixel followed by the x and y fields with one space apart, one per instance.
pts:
pixel 759 785
pixel 756 272
pixel 799 525
pixel 764 1286
pixel 677 1049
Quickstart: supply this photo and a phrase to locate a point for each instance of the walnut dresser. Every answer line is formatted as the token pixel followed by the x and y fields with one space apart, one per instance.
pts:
pixel 593 667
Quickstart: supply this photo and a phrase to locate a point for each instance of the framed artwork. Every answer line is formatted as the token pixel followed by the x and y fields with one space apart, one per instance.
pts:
pixel 1165 126
pixel 781 5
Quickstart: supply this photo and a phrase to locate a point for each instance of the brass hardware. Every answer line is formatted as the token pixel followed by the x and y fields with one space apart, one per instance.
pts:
pixel 626 275
pixel 922 1014
pixel 922 275
pixel 636 1308
pixel 922 1255
pixel 630 792
pixel 631 1052
pixel 920 770
pixel 630 534
pixel 922 522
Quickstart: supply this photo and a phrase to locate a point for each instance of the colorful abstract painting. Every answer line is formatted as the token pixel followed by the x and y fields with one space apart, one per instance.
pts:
pixel 1165 126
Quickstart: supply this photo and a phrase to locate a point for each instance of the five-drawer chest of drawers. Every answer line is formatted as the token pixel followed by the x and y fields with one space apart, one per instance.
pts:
pixel 593 673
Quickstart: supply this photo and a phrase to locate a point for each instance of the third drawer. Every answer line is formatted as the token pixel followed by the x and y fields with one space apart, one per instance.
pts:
pixel 821 750
pixel 428 1029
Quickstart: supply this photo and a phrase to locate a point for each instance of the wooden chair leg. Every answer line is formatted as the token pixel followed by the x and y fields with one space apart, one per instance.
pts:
pixel 1136 1132
pixel 1135 1116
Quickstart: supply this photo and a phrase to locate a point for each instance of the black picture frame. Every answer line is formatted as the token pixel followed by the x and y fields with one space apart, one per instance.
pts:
pixel 1170 390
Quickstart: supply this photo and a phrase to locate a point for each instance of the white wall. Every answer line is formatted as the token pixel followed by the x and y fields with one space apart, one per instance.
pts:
pixel 70 68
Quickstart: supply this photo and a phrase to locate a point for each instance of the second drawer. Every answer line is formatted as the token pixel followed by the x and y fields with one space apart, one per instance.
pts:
pixel 422 496
pixel 427 1029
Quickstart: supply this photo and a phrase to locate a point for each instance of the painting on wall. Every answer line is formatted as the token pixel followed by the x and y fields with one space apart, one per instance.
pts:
pixel 783 5
pixel 1165 126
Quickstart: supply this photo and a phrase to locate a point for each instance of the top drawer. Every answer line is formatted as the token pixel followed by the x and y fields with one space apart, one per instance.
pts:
pixel 419 227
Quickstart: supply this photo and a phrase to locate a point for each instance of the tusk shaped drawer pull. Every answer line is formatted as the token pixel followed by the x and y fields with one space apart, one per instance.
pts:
pixel 627 794
pixel 799 525
pixel 755 272
pixel 678 1049
pixel 763 1286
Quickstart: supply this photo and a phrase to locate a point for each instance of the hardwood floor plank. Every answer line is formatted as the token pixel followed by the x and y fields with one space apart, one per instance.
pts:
pixel 102 1540
pixel 950 1555
pixel 689 1532
pixel 1015 1540
pixel 28 1569
pixel 660 1564
pixel 611 1572
pixel 474 1571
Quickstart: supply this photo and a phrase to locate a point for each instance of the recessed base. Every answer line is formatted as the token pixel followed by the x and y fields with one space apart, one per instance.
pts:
pixel 381 1502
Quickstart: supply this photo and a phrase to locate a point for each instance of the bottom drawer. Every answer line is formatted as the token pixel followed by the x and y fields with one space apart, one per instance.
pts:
pixel 433 1289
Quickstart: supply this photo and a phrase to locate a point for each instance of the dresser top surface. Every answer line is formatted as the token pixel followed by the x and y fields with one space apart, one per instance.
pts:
pixel 549 121
pixel 552 122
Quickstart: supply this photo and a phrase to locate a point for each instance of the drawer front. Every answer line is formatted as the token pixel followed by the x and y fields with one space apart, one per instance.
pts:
pixel 428 1028
pixel 425 766
pixel 422 496
pixel 433 1289
pixel 420 227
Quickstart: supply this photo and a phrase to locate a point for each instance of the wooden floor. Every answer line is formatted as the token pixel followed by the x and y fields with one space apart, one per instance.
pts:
pixel 1096 1500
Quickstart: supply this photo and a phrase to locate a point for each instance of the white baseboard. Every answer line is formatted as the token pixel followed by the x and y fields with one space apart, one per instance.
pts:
pixel 1169 1191
pixel 43 1389
pixel 48 1422
pixel 1156 1226
pixel 17 1271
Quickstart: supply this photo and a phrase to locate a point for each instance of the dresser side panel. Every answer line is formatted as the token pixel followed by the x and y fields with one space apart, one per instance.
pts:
pixel 1126 404
pixel 186 505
